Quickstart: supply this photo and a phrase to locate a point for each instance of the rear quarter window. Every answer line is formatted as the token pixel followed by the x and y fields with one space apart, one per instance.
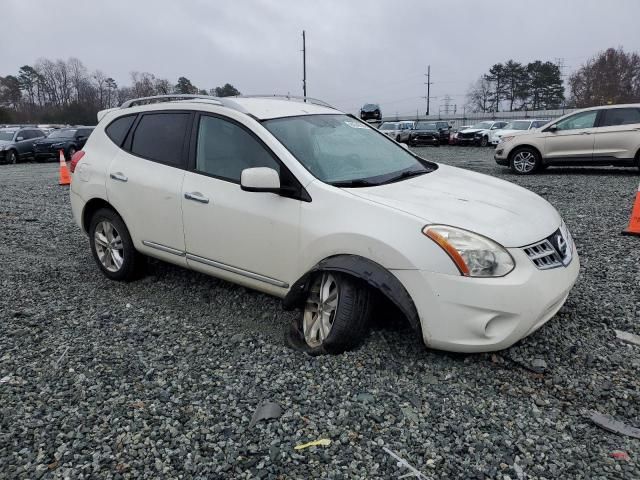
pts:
pixel 118 129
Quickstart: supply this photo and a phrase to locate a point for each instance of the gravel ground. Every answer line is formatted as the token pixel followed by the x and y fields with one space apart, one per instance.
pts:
pixel 160 377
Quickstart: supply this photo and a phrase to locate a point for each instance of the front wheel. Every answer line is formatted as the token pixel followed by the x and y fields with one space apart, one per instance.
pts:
pixel 525 161
pixel 112 247
pixel 484 142
pixel 12 157
pixel 336 313
pixel 71 152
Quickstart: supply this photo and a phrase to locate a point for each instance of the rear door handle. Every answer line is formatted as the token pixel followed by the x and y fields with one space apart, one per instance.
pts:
pixel 196 197
pixel 119 176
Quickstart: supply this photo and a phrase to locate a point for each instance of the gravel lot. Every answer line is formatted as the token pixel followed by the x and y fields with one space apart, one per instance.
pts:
pixel 160 378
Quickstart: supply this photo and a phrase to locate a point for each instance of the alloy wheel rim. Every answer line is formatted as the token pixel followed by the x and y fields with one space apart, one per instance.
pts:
pixel 524 162
pixel 109 247
pixel 320 310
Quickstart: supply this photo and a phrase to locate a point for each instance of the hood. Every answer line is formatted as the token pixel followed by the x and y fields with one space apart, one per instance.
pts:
pixel 473 130
pixel 500 210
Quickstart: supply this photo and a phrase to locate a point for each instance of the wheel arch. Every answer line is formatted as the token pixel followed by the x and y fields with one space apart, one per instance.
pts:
pixel 91 207
pixel 376 276
pixel 526 145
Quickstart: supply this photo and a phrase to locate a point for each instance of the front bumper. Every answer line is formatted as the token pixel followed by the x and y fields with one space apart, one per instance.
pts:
pixel 466 141
pixel 463 314
pixel 501 155
pixel 424 140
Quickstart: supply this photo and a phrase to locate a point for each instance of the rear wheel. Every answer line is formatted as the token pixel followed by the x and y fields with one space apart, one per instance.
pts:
pixel 525 161
pixel 398 138
pixel 112 247
pixel 336 314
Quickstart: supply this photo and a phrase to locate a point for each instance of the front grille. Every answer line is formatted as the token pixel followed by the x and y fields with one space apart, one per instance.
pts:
pixel 466 135
pixel 554 251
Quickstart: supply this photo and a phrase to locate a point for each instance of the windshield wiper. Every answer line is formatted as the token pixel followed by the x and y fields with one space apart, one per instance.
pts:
pixel 359 182
pixel 406 174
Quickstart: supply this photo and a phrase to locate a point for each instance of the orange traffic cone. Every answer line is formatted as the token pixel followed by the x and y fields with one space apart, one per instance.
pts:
pixel 634 222
pixel 65 177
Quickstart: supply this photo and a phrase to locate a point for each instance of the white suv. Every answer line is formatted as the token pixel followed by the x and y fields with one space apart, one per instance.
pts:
pixel 608 135
pixel 304 202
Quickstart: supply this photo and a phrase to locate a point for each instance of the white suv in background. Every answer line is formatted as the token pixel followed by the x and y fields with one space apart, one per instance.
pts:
pixel 314 206
pixel 608 135
pixel 514 127
pixel 396 130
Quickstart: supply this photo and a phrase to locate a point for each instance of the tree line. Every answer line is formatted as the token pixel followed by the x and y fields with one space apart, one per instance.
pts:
pixel 609 77
pixel 67 92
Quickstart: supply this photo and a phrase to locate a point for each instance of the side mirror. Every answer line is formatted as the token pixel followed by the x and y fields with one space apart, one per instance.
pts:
pixel 260 179
pixel 19 139
pixel 553 128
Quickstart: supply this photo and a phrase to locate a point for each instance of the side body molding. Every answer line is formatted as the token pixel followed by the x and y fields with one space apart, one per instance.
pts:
pixel 371 272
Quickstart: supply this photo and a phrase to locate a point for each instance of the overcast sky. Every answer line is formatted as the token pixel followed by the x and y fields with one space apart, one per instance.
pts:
pixel 357 51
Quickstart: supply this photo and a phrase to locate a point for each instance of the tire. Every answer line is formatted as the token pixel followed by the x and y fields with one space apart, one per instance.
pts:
pixel 437 144
pixel 12 157
pixel 484 142
pixel 71 152
pixel 115 254
pixel 525 161
pixel 398 138
pixel 346 323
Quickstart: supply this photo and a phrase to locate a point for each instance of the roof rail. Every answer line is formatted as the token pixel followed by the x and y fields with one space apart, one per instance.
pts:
pixel 311 100
pixel 167 98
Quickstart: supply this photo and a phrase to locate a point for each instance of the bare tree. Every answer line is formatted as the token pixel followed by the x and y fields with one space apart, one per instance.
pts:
pixel 479 96
pixel 612 76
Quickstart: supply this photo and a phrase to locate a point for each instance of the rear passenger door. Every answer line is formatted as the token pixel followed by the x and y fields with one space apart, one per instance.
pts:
pixel 618 135
pixel 24 143
pixel 144 181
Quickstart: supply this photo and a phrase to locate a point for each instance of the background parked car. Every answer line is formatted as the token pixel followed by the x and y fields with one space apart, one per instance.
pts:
pixel 397 130
pixel 371 111
pixel 423 133
pixel 444 129
pixel 478 134
pixel 513 127
pixel 453 136
pixel 608 135
pixel 16 144
pixel 69 140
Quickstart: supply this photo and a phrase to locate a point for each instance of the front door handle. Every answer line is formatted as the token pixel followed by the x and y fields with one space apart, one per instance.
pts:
pixel 119 176
pixel 196 197
pixel 585 133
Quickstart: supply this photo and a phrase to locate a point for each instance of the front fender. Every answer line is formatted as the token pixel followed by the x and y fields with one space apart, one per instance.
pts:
pixel 371 272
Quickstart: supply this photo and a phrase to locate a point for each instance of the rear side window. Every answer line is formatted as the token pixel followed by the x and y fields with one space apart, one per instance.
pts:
pixel 160 137
pixel 118 129
pixel 621 116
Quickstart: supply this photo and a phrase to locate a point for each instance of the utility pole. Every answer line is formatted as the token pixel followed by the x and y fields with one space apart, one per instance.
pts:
pixel 428 83
pixel 304 67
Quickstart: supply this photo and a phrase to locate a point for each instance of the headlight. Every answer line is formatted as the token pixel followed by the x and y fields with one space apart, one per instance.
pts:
pixel 473 254
pixel 3 147
pixel 507 139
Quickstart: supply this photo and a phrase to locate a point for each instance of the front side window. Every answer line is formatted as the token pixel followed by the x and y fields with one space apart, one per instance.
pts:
pixel 342 151
pixel 578 121
pixel 539 123
pixel 621 116
pixel 225 149
pixel 160 137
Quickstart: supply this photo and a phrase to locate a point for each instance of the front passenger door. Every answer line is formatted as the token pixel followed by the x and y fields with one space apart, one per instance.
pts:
pixel 246 237
pixel 573 139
